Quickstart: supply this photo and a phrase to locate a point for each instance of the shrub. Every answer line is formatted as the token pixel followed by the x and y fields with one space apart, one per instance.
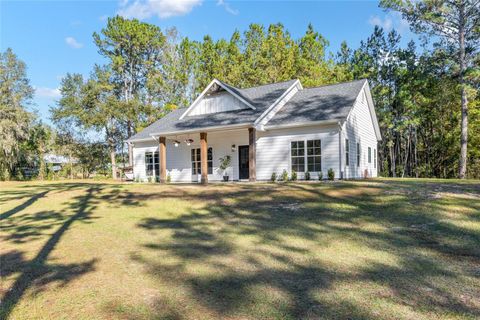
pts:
pixel 273 178
pixel 284 176
pixel 307 175
pixel 331 174
pixel 294 176
pixel 320 175
pixel 169 178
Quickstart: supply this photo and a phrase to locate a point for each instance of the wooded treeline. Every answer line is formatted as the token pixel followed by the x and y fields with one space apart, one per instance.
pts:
pixel 420 90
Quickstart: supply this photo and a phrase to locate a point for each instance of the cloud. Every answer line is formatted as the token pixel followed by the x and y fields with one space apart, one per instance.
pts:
pixel 144 9
pixel 227 7
pixel 393 20
pixel 73 43
pixel 44 92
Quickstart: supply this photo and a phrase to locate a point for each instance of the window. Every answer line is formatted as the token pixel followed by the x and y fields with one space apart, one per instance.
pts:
pixel 297 149
pixel 369 155
pixel 347 152
pixel 197 162
pixel 358 154
pixel 314 155
pixel 152 167
pixel 375 158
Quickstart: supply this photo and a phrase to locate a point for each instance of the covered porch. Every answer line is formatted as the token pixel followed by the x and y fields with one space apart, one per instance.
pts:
pixel 194 156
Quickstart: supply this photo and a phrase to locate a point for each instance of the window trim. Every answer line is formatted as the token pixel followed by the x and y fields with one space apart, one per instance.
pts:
pixel 369 155
pixel 154 163
pixel 291 157
pixel 305 154
pixel 199 162
pixel 347 153
pixel 375 158
pixel 358 154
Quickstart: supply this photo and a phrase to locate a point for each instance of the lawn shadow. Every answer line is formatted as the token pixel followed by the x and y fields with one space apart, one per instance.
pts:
pixel 320 213
pixel 37 273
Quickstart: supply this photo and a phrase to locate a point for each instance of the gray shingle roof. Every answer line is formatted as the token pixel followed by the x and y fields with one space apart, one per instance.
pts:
pixel 330 102
pixel 260 97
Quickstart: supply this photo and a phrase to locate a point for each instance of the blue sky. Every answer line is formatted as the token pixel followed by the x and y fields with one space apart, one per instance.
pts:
pixel 55 37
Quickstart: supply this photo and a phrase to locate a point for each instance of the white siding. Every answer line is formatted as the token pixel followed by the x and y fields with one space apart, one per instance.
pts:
pixel 217 103
pixel 359 129
pixel 179 165
pixel 273 149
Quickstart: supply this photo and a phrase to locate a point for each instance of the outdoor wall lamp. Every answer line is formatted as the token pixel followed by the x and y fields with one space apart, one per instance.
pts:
pixel 176 143
pixel 233 148
pixel 189 142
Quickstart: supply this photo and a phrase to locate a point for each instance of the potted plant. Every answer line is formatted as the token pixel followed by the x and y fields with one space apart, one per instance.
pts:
pixel 224 164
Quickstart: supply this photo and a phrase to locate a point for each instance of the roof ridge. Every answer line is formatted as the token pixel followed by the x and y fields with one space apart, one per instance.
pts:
pixel 267 84
pixel 336 84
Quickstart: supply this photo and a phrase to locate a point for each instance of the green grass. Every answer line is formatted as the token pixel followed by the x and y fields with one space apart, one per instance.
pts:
pixel 377 249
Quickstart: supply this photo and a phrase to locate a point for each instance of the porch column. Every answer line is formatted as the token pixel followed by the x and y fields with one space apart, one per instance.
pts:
pixel 162 158
pixel 203 157
pixel 252 154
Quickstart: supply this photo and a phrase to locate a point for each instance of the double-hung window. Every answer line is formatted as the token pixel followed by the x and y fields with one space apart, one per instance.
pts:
pixel 347 152
pixel 197 162
pixel 297 149
pixel 314 155
pixel 152 167
pixel 312 159
pixel 369 155
pixel 358 154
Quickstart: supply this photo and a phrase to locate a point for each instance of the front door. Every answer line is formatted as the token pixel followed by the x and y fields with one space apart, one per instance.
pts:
pixel 243 162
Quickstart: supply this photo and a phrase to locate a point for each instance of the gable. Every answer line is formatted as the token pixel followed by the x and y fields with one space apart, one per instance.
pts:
pixel 217 102
pixel 215 88
pixel 362 118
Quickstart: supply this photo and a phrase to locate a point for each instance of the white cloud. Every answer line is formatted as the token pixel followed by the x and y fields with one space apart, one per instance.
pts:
pixel 390 21
pixel 44 92
pixel 144 9
pixel 227 7
pixel 73 43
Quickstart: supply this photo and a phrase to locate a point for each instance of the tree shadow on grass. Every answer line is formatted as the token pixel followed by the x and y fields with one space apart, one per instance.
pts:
pixel 322 214
pixel 37 272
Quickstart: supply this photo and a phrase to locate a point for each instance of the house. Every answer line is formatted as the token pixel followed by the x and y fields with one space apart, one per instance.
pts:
pixel 265 129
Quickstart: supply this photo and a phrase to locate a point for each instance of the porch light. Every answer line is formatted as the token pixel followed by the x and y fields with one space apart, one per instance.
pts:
pixel 189 142
pixel 233 148
pixel 176 143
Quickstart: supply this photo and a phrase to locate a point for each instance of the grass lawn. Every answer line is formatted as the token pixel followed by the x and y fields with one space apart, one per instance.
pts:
pixel 378 249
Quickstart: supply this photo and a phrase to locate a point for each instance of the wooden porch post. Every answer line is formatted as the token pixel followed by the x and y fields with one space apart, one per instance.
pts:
pixel 162 158
pixel 203 157
pixel 252 154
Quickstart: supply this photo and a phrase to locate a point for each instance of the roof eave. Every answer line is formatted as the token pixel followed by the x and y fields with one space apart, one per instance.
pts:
pixel 198 130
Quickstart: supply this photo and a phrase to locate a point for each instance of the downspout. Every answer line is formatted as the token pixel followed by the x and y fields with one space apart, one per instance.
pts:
pixel 340 149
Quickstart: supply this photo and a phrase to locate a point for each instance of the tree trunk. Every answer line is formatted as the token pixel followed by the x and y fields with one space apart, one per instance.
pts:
pixel 464 133
pixel 112 159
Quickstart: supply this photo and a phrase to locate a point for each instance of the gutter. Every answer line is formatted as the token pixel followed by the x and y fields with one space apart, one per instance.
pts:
pixel 298 124
pixel 214 128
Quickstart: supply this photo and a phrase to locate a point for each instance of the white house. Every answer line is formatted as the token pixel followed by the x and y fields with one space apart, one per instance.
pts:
pixel 265 129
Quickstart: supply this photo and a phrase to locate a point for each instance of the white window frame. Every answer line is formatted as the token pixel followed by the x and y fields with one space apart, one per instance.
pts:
pixel 305 156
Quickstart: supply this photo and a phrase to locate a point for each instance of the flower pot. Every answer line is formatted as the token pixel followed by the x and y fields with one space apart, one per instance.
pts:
pixel 226 178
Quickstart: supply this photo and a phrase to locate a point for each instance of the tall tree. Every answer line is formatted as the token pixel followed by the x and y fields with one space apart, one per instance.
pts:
pixel 457 25
pixel 134 50
pixel 15 96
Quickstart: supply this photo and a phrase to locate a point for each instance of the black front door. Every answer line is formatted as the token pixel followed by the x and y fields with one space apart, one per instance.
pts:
pixel 243 162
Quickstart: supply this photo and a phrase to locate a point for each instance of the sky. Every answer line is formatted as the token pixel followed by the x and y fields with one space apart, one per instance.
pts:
pixel 54 37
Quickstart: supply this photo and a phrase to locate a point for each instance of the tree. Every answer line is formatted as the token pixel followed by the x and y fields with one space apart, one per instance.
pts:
pixel 15 96
pixel 92 104
pixel 134 49
pixel 457 25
